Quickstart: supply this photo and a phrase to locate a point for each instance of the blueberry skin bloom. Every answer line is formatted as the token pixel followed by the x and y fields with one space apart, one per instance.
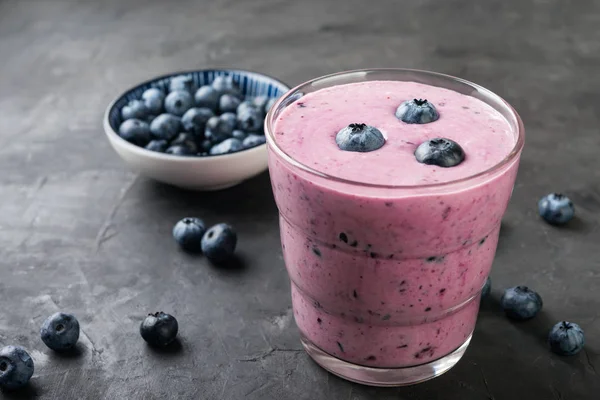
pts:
pixel 521 303
pixel 178 102
pixel 16 367
pixel 159 329
pixel 359 137
pixel 135 109
pixel 219 242
pixel 153 99
pixel 556 209
pixel 417 111
pixel 441 152
pixel 227 146
pixel 188 233
pixel 60 331
pixel 566 338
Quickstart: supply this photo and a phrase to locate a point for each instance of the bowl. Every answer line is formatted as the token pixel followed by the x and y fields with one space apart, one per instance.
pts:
pixel 213 172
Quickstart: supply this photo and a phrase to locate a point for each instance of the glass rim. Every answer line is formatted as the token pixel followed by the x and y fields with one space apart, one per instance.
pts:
pixel 514 153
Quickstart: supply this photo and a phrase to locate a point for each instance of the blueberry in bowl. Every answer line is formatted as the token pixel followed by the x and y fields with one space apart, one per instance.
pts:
pixel 198 130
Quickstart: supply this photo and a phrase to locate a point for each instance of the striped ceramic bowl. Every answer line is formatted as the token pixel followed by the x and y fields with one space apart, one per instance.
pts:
pixel 195 173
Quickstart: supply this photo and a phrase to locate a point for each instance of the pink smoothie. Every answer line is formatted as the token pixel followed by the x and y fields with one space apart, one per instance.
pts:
pixel 388 276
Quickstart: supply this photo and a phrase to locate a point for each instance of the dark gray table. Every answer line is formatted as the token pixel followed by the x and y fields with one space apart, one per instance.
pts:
pixel 78 232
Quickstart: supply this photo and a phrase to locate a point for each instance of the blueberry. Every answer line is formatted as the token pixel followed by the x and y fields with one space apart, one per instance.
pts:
pixel 188 233
pixel 157 145
pixel 153 99
pixel 207 97
pixel 60 331
pixel 149 119
pixel 165 126
pixel 16 367
pixel 359 137
pixel 218 243
pixel 226 85
pixel 556 208
pixel 186 140
pixel 180 150
pixel 228 103
pixel 244 105
pixel 270 104
pixel 250 119
pixel 194 121
pixel 417 112
pixel 238 134
pixel 178 102
pixel 487 288
pixel 230 119
pixel 441 152
pixel 182 82
pixel 253 141
pixel 260 102
pixel 135 109
pixel 566 338
pixel 206 145
pixel 521 303
pixel 217 130
pixel 135 131
pixel 159 329
pixel 226 146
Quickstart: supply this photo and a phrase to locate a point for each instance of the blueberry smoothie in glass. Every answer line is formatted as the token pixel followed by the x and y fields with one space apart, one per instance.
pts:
pixel 391 185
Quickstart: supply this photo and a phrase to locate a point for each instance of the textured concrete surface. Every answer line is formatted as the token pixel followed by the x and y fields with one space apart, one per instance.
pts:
pixel 78 232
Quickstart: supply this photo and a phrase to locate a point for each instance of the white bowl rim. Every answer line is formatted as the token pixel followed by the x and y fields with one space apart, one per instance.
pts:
pixel 141 151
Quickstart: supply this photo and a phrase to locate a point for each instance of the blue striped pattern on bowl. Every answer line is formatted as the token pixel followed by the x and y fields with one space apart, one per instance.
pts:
pixel 252 84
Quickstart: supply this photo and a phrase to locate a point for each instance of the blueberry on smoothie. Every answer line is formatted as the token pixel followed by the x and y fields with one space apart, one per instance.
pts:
pixel 178 102
pixel 159 329
pixel 521 303
pixel 207 97
pixel 188 233
pixel 556 208
pixel 135 131
pixel 417 111
pixel 487 288
pixel 182 82
pixel 230 145
pixel 194 120
pixel 135 109
pixel 60 331
pixel 154 99
pixel 228 103
pixel 566 338
pixel 157 145
pixel 165 126
pixel 253 141
pixel 360 138
pixel 441 152
pixel 16 367
pixel 219 242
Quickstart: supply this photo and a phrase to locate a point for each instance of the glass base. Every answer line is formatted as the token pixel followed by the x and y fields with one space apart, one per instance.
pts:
pixel 384 376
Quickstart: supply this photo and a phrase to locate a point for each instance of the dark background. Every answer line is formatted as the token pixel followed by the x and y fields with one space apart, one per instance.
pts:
pixel 80 233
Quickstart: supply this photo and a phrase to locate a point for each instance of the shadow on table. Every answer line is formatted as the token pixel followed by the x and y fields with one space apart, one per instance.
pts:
pixel 28 392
